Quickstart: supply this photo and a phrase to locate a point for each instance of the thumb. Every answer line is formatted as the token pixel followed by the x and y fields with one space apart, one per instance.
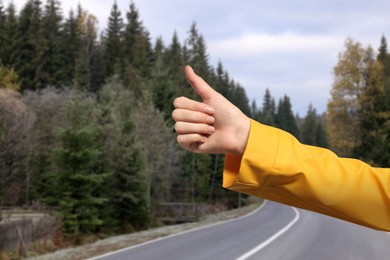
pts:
pixel 199 85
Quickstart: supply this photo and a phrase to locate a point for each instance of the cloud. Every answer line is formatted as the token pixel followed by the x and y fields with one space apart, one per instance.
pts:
pixel 250 44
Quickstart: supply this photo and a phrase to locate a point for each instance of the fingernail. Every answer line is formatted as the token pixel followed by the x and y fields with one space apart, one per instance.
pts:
pixel 211 129
pixel 210 120
pixel 209 110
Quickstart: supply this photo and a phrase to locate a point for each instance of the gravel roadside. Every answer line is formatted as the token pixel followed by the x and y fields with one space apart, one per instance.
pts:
pixel 118 242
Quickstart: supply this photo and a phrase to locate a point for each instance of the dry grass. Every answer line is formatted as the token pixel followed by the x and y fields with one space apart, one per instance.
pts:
pixel 118 242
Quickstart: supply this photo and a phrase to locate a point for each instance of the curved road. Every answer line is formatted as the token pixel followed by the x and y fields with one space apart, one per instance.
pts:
pixel 274 231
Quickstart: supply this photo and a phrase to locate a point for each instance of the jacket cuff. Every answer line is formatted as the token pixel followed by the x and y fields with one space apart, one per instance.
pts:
pixel 248 173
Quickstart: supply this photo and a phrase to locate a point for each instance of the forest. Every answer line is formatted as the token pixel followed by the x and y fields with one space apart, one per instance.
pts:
pixel 85 117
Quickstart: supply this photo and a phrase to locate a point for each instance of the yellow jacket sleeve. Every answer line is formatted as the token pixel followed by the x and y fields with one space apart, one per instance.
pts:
pixel 277 167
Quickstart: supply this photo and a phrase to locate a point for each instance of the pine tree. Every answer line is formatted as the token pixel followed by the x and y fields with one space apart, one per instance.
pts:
pixel 53 64
pixel 372 112
pixel 173 57
pixel 255 112
pixel 197 52
pixel 87 25
pixel 162 87
pixel 123 157
pixel 321 138
pixel 174 62
pixel 382 157
pixel 269 110
pixel 11 39
pixel 78 160
pixel 285 118
pixel 240 99
pixel 138 51
pixel 31 46
pixel 309 127
pixel 77 181
pixel 222 82
pixel 71 47
pixel 2 30
pixel 113 44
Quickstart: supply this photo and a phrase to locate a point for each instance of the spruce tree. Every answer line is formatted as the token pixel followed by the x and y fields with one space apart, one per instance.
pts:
pixel 123 157
pixel 87 26
pixel 321 138
pixel 113 44
pixel 77 181
pixel 372 114
pixel 71 47
pixel 162 87
pixel 138 50
pixel 309 127
pixel 285 118
pixel 2 33
pixel 222 81
pixel 174 62
pixel 268 112
pixel 11 38
pixel 197 52
pixel 383 155
pixel 31 47
pixel 54 61
pixel 240 99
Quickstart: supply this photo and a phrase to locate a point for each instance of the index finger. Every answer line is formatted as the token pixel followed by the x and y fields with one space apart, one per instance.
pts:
pixel 189 104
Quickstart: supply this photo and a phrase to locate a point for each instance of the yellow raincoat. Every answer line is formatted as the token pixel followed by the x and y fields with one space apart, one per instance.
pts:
pixel 277 167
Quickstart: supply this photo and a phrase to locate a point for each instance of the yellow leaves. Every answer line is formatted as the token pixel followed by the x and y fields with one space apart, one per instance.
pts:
pixel 9 79
pixel 88 25
pixel 355 70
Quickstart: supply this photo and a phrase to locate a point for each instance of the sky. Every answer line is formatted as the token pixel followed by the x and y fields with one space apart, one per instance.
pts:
pixel 289 47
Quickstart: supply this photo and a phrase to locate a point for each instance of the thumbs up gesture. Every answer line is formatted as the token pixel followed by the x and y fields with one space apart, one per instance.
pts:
pixel 212 126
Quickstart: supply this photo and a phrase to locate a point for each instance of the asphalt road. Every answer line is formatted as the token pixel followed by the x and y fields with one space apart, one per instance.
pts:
pixel 273 232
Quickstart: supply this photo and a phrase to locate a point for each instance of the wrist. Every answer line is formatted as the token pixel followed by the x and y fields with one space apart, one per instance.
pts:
pixel 242 136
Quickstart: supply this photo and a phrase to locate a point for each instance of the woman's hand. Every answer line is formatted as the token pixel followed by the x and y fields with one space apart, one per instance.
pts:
pixel 212 126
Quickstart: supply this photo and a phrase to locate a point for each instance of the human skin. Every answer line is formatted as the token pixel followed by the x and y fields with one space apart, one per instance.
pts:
pixel 214 126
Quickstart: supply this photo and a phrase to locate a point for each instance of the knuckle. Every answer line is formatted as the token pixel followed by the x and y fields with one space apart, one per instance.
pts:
pixel 177 127
pixel 175 114
pixel 178 101
pixel 180 140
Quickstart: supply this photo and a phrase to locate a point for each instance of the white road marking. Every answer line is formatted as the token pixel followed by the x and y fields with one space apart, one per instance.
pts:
pixel 177 234
pixel 271 239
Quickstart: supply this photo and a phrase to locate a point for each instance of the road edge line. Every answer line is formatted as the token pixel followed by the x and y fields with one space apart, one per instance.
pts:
pixel 177 234
pixel 272 238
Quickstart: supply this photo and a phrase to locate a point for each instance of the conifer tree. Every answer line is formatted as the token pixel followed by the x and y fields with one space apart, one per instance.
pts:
pixel 113 44
pixel 11 38
pixel 162 86
pixel 123 157
pixel 239 98
pixel 268 112
pixel 309 127
pixel 87 25
pixel 174 62
pixel 383 155
pixel 197 52
pixel 321 137
pixel 138 50
pixel 71 47
pixel 285 118
pixel 2 34
pixel 222 82
pixel 31 46
pixel 78 180
pixel 372 114
pixel 53 64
